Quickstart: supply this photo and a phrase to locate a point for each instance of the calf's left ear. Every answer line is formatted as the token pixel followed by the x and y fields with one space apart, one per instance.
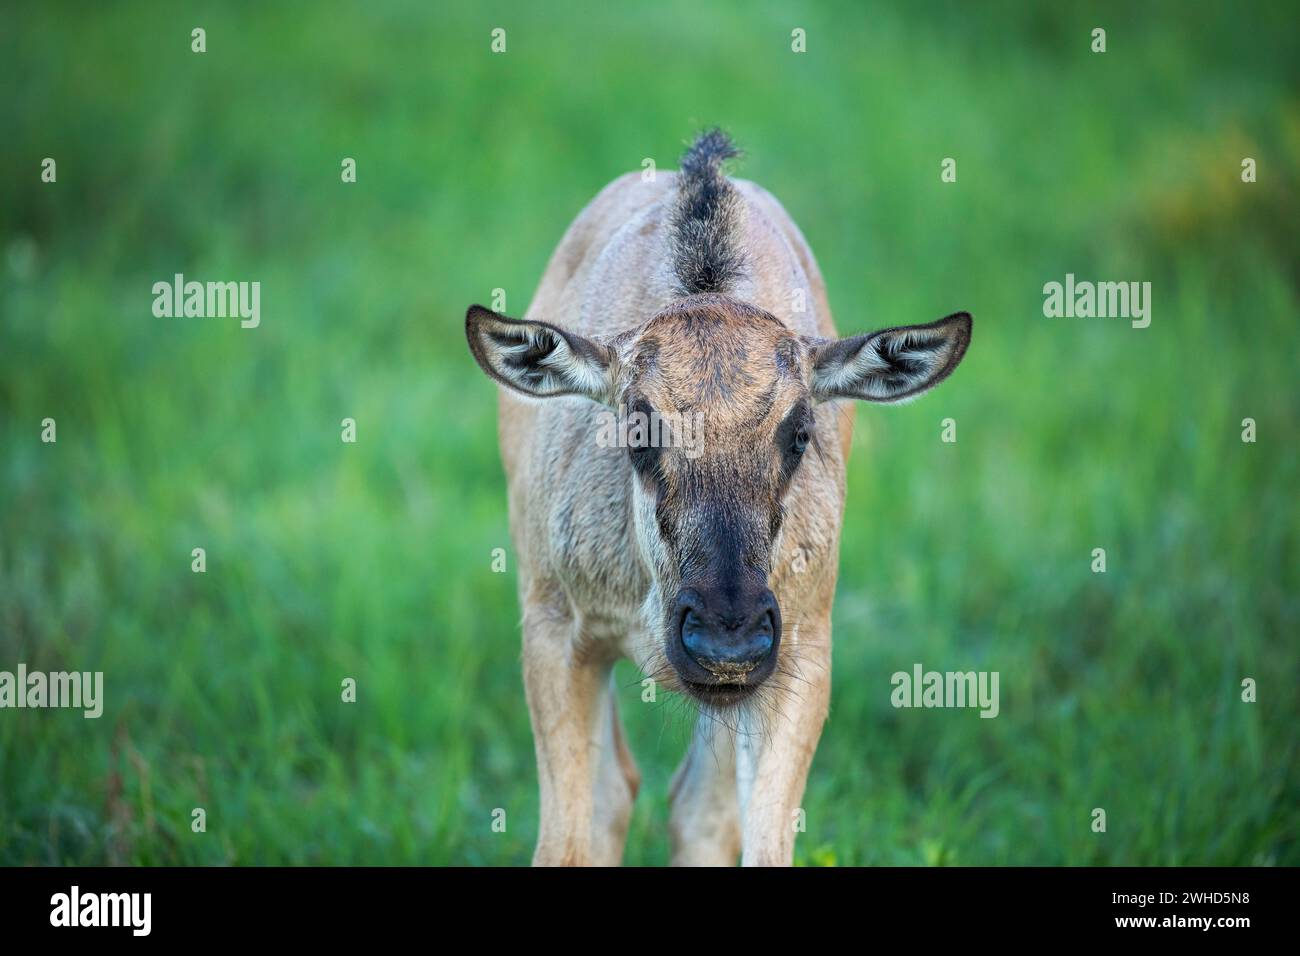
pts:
pixel 891 365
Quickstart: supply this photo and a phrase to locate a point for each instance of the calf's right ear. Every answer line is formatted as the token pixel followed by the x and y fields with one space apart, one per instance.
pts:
pixel 539 359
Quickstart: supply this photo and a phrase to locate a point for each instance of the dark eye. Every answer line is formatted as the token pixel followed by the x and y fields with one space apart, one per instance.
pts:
pixel 792 437
pixel 644 457
pixel 642 446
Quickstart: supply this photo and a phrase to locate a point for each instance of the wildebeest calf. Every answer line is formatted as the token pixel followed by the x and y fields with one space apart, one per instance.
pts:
pixel 691 298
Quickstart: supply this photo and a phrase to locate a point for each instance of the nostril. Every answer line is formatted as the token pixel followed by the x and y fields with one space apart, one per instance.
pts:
pixel 758 642
pixel 696 637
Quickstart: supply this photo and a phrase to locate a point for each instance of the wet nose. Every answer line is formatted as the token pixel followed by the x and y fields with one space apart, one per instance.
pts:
pixel 730 641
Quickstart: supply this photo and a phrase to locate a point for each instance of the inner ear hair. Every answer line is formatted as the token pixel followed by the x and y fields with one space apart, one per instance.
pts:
pixel 537 358
pixel 891 365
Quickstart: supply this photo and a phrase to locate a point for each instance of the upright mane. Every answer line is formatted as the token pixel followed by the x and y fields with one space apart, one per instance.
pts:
pixel 706 252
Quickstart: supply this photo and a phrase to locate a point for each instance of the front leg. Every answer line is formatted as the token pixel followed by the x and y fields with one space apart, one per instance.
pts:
pixel 705 821
pixel 564 694
pixel 775 748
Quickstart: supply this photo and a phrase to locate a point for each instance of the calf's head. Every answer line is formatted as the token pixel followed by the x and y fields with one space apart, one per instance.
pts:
pixel 715 402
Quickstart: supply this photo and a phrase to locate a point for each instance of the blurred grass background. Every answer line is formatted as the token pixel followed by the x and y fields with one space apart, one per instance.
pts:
pixel 372 560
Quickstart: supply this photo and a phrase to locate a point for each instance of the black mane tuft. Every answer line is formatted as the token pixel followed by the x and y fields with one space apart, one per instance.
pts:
pixel 707 256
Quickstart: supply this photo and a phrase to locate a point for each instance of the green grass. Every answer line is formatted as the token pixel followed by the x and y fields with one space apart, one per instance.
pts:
pixel 373 560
